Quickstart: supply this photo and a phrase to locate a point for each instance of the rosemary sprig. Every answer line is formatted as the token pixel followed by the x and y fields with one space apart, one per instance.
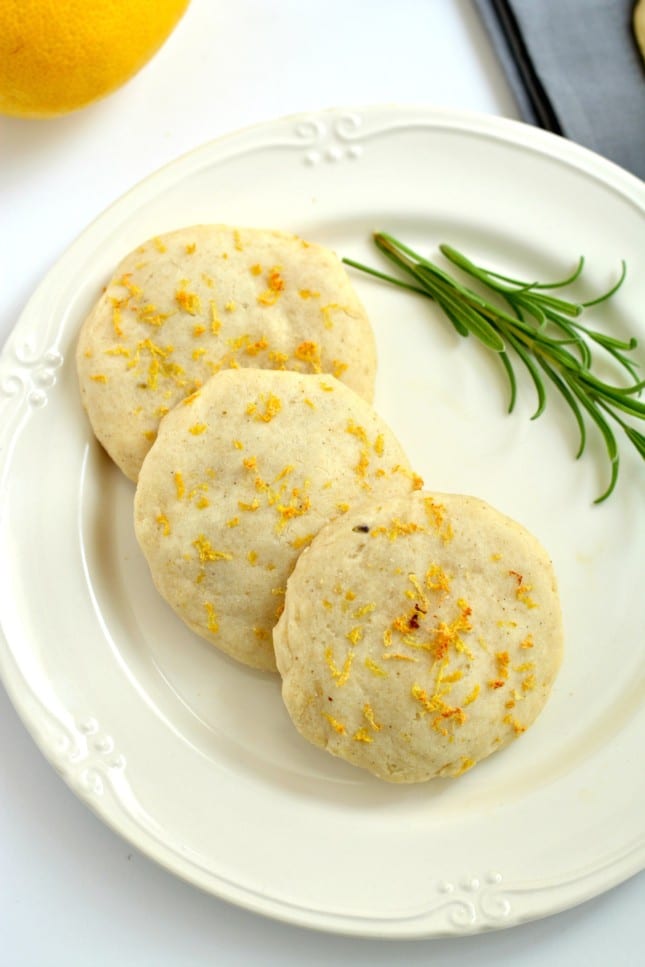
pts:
pixel 542 330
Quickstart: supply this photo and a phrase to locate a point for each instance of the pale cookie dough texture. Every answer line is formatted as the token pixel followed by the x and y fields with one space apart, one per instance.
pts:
pixel 241 477
pixel 187 304
pixel 419 635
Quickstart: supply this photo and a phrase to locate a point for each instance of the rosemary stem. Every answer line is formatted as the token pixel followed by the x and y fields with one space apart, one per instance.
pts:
pixel 542 330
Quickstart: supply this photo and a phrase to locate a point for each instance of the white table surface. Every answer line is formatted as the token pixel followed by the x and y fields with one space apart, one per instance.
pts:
pixel 71 891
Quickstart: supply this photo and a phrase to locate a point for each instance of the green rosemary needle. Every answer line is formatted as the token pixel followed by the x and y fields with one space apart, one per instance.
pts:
pixel 542 330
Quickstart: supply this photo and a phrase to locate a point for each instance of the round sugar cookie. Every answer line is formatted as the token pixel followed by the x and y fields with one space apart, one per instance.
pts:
pixel 187 304
pixel 241 477
pixel 420 633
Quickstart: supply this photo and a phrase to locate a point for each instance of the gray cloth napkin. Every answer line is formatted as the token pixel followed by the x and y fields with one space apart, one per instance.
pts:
pixel 574 68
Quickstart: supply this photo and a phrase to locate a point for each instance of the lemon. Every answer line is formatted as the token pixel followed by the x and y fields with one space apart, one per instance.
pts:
pixel 59 55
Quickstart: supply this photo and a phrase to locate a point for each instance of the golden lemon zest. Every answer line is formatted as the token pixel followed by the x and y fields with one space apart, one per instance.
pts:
pixel 286 470
pixel 188 301
pixel 522 590
pixel 327 312
pixel 355 634
pixel 365 609
pixel 502 660
pixel 335 724
pixel 434 704
pixel 278 359
pixel 149 315
pixel 355 429
pixel 309 352
pixel 164 523
pixel 472 695
pixel 252 349
pixel 117 318
pixel 180 488
pixel 436 579
pixel 271 407
pixel 446 634
pixel 397 528
pixel 340 675
pixel 466 764
pixel 212 623
pixel 527 666
pixel 375 668
pixel 275 284
pixel 127 283
pixel 418 593
pixel 368 715
pixel 117 351
pixel 216 323
pixel 453 677
pixel 299 542
pixel 295 508
pixel 189 400
pixel 255 503
pixel 269 297
pixel 207 552
pixel 362 735
pixel 436 514
pixel 517 727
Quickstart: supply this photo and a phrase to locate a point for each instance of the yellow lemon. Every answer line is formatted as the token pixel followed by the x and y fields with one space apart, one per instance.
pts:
pixel 58 55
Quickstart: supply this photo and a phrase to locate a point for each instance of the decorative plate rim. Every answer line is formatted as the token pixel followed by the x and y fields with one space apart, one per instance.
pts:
pixel 83 755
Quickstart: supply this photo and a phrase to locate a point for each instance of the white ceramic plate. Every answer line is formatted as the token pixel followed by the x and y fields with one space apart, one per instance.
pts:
pixel 191 757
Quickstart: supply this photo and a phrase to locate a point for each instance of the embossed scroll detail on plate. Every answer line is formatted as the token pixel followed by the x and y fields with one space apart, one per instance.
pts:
pixel 474 902
pixel 31 376
pixel 330 140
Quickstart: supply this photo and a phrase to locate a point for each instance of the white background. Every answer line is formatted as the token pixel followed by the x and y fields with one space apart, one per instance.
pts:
pixel 71 892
